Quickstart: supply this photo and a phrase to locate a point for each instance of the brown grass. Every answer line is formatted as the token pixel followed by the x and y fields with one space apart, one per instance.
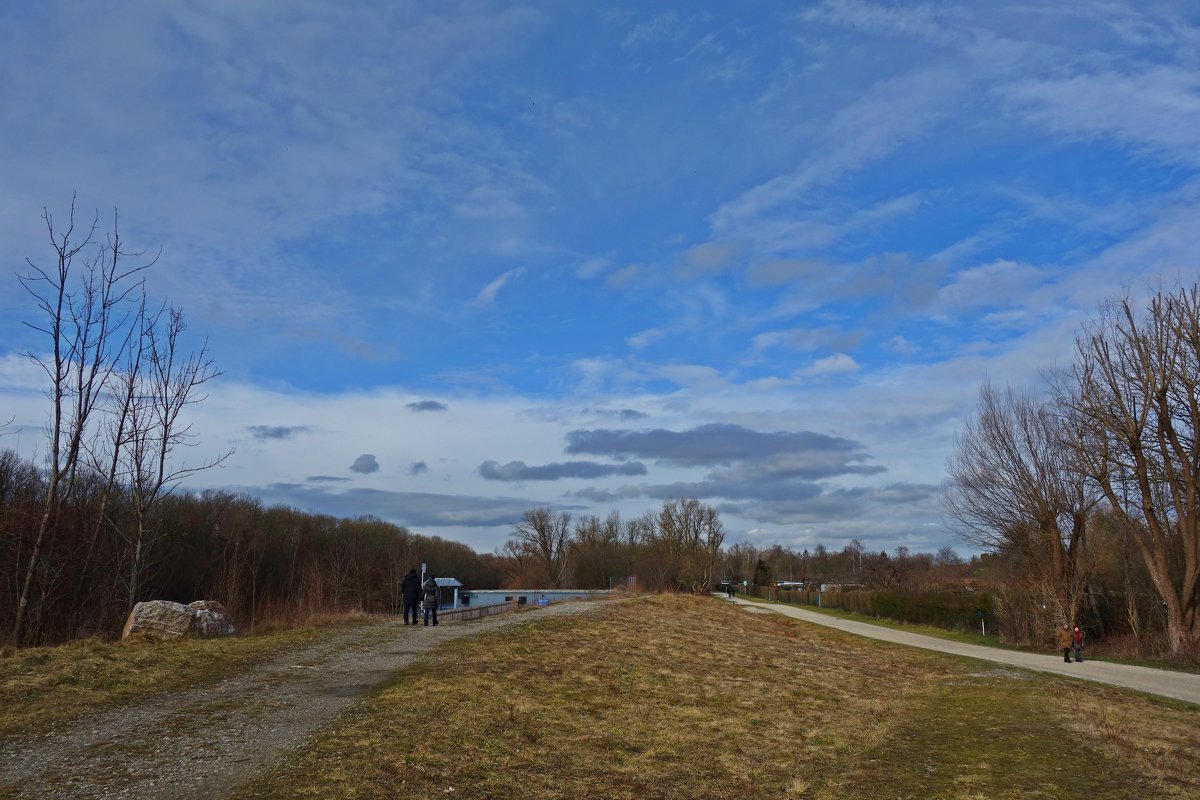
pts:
pixel 43 686
pixel 677 697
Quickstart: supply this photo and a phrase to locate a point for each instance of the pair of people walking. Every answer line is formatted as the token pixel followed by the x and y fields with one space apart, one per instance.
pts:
pixel 417 595
pixel 1070 639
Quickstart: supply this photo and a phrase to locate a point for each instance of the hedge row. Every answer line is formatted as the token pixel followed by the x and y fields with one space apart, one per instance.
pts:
pixel 949 610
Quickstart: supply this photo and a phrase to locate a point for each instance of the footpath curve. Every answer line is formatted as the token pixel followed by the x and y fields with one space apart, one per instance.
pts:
pixel 200 744
pixel 1176 685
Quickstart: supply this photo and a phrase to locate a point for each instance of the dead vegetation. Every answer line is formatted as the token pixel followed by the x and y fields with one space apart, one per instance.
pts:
pixel 43 686
pixel 680 697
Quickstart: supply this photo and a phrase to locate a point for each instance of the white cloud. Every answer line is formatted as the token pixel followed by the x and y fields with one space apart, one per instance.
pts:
pixel 624 277
pixel 712 257
pixel 892 113
pixel 19 373
pixel 665 26
pixel 591 268
pixel 226 131
pixel 838 363
pixel 916 21
pixel 487 295
pixel 995 285
pixel 644 338
pixel 1156 110
pixel 919 196
pixel 902 346
pixel 691 376
pixel 805 339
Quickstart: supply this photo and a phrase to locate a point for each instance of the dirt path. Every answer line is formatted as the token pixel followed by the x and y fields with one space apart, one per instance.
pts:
pixel 1178 685
pixel 202 743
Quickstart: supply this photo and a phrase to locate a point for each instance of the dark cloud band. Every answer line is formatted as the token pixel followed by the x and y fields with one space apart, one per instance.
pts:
pixel 276 431
pixel 520 471
pixel 713 444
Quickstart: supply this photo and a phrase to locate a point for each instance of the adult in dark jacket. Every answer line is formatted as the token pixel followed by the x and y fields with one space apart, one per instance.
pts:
pixel 410 590
pixel 429 599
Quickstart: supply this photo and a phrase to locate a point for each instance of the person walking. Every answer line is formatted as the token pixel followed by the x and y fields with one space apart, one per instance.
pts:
pixel 429 599
pixel 1077 642
pixel 1066 641
pixel 410 591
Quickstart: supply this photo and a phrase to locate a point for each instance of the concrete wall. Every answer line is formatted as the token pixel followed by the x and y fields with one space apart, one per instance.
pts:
pixel 489 597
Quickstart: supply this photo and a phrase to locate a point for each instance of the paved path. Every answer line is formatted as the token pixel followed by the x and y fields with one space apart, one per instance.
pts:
pixel 1178 685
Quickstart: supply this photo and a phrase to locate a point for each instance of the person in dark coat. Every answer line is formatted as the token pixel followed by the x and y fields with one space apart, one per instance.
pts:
pixel 429 599
pixel 1077 640
pixel 410 590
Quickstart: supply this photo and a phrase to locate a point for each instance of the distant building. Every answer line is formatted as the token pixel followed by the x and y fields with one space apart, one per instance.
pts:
pixel 448 592
pixel 487 597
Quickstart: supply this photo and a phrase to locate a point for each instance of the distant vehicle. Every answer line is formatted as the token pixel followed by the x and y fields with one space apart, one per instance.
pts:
pixel 795 585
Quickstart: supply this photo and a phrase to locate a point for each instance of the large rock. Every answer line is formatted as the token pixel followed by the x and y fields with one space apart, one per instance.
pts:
pixel 162 619
pixel 210 620
pixel 159 619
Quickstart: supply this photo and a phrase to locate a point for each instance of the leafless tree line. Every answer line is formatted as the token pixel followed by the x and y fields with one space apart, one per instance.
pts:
pixel 853 566
pixel 102 524
pixel 118 380
pixel 268 565
pixel 1110 448
pixel 673 549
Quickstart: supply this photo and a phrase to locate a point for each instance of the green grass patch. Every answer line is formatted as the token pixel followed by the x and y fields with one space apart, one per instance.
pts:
pixel 680 697
pixel 925 630
pixel 1012 734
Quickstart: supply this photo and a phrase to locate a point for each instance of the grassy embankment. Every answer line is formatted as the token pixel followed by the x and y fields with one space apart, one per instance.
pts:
pixel 1093 650
pixel 42 686
pixel 676 697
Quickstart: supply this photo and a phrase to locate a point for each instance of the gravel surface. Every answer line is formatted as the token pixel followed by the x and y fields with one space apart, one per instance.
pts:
pixel 1176 685
pixel 202 743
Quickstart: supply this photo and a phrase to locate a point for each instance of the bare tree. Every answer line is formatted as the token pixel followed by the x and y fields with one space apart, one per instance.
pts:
pixel 105 455
pixel 692 534
pixel 84 317
pixel 740 560
pixel 157 394
pixel 546 537
pixel 517 563
pixel 1016 489
pixel 1136 400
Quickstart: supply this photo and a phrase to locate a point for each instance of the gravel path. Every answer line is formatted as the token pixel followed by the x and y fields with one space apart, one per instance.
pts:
pixel 202 743
pixel 1178 685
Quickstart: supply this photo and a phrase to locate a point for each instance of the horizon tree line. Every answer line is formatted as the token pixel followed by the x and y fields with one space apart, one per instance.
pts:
pixel 118 379
pixel 1084 497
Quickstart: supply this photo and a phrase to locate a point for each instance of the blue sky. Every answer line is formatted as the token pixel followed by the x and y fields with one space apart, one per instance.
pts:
pixel 463 259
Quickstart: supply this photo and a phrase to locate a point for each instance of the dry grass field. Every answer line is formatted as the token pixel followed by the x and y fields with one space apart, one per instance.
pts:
pixel 43 686
pixel 680 697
